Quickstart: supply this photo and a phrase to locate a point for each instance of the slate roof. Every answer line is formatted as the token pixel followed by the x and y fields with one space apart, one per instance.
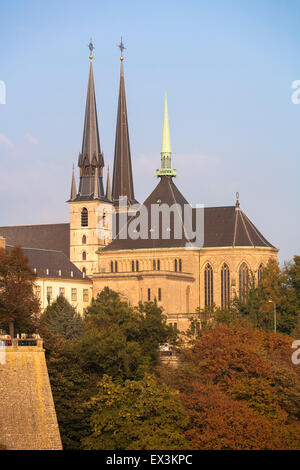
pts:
pixel 48 236
pixel 223 226
pixel 56 262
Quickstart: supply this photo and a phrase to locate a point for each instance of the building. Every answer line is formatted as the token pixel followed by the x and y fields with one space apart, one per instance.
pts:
pixel 180 275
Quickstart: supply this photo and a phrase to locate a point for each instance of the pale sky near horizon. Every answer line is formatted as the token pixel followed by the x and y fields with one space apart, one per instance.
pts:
pixel 227 67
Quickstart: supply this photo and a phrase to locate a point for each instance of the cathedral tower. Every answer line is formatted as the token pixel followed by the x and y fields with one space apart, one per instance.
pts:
pixel 89 207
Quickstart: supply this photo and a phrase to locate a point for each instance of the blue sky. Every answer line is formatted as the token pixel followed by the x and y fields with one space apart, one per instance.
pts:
pixel 227 66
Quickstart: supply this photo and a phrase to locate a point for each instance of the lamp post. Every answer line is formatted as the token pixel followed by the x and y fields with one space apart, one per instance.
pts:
pixel 275 319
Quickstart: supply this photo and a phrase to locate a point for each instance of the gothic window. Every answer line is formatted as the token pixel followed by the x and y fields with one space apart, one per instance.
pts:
pixel 84 256
pixel 84 217
pixel 209 285
pixel 260 272
pixel 84 240
pixel 225 286
pixel 243 283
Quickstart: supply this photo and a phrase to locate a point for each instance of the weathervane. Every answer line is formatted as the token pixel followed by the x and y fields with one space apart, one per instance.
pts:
pixel 91 48
pixel 121 47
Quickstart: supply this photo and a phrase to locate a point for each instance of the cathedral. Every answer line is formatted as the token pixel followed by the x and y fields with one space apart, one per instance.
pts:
pixel 78 259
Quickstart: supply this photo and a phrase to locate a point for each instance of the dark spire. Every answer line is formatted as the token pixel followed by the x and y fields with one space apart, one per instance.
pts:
pixel 91 157
pixel 122 175
pixel 73 186
pixel 108 187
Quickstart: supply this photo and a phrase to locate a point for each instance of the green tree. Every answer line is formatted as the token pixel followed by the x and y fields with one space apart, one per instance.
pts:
pixel 18 304
pixel 136 415
pixel 120 340
pixel 61 318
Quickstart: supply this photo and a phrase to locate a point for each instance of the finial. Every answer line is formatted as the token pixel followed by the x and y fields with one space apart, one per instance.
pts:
pixel 237 195
pixel 91 48
pixel 121 47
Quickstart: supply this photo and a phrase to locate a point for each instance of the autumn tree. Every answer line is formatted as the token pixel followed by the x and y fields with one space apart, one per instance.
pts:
pixel 136 415
pixel 18 304
pixel 239 389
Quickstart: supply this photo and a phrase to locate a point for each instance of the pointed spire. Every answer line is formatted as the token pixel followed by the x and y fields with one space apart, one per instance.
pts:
pixel 108 187
pixel 91 156
pixel 122 175
pixel 73 186
pixel 166 152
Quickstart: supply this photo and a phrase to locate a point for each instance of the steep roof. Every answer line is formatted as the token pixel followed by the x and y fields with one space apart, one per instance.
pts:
pixel 223 226
pixel 48 236
pixel 56 262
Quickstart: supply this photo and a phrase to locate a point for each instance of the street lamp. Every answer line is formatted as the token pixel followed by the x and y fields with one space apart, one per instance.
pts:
pixel 275 319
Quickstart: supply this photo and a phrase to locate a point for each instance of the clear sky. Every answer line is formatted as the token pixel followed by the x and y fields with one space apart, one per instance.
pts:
pixel 227 67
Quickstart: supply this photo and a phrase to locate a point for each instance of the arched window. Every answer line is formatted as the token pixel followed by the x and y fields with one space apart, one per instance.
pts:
pixel 243 283
pixel 132 266
pixel 209 285
pixel 116 266
pixel 154 265
pixel 158 265
pixel 84 271
pixel 175 265
pixel 111 266
pixel 260 272
pixel 180 265
pixel 84 240
pixel 84 255
pixel 137 267
pixel 225 286
pixel 84 217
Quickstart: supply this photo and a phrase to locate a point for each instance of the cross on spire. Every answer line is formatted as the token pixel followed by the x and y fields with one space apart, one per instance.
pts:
pixel 121 47
pixel 91 48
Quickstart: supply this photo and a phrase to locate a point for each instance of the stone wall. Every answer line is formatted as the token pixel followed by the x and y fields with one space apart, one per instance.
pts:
pixel 27 414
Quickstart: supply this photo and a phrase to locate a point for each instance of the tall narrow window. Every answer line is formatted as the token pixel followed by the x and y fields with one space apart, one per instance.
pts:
pixel 175 265
pixel 154 265
pixel 137 266
pixel 132 266
pixel 209 285
pixel 149 295
pixel 84 272
pixel 159 294
pixel 244 283
pixel 158 265
pixel 84 240
pixel 116 266
pixel 84 256
pixel 84 217
pixel 62 291
pixel 74 294
pixel 260 272
pixel 180 265
pixel 111 266
pixel 225 286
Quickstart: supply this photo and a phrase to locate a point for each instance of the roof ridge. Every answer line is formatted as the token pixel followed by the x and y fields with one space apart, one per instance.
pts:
pixel 34 225
pixel 235 227
pixel 250 239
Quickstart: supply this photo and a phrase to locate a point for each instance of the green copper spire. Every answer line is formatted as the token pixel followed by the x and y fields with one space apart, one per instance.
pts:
pixel 166 160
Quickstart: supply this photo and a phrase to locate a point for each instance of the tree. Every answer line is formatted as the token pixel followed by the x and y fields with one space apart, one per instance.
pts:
pixel 61 318
pixel 240 389
pixel 120 340
pixel 18 304
pixel 136 415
